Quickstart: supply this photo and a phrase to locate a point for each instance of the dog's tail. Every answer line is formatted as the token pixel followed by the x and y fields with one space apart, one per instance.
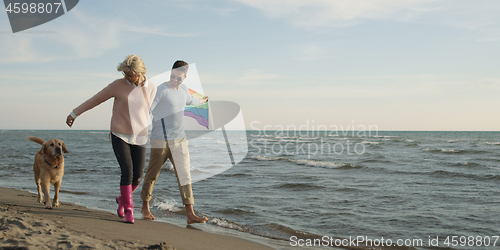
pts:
pixel 36 139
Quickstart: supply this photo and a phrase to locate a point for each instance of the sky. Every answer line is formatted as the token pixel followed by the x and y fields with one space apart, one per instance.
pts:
pixel 388 64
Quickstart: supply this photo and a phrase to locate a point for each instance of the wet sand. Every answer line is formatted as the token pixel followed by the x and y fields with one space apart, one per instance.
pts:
pixel 26 224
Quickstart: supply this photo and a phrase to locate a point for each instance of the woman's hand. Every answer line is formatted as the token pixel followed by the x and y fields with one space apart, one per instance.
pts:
pixel 205 99
pixel 70 120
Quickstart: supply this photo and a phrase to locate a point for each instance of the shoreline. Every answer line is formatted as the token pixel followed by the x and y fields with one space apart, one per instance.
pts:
pixel 26 223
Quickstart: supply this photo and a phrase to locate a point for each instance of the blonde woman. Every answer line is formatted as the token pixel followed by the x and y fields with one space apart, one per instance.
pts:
pixel 129 126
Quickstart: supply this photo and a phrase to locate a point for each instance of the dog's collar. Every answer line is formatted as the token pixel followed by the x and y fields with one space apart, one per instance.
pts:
pixel 45 159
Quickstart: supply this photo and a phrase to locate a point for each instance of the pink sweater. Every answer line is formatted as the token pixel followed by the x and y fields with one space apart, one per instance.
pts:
pixel 130 109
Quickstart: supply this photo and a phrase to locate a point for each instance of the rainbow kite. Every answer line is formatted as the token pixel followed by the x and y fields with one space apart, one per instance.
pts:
pixel 198 112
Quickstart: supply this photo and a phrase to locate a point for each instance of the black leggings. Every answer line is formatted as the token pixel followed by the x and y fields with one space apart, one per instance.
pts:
pixel 132 160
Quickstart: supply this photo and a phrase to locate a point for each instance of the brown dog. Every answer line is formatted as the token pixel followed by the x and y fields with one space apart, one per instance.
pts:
pixel 49 168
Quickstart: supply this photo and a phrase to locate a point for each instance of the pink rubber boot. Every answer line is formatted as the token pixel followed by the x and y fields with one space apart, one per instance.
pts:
pixel 120 211
pixel 127 200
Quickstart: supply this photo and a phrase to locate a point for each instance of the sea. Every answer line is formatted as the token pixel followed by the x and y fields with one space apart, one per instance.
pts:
pixel 302 189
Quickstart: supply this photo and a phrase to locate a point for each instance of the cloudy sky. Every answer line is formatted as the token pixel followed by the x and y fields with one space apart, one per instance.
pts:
pixel 395 64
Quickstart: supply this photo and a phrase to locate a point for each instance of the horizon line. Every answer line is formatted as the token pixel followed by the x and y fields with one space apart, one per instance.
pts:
pixel 268 130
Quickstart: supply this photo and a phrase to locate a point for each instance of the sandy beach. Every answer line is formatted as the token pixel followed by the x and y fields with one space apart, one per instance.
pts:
pixel 26 224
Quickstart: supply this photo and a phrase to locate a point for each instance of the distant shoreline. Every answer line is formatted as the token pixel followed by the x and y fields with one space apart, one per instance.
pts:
pixel 106 130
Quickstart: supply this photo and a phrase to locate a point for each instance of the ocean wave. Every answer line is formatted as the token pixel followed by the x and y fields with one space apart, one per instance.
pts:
pixel 444 173
pixel 492 177
pixel 370 142
pixel 207 169
pixel 315 163
pixel 285 232
pixel 271 230
pixel 493 143
pixel 73 192
pixel 263 140
pixel 234 211
pixel 312 163
pixel 299 186
pixel 454 151
pixel 349 166
pixel 20 156
pixel 307 138
pixel 378 161
pixel 287 140
pixel 347 190
pixel 168 166
pixel 490 159
pixel 266 158
pixel 467 164
pixel 166 205
pixel 284 137
pixel 326 164
pixel 447 174
pixel 237 175
pixel 12 167
pixel 432 150
pixel 227 224
pixel 199 171
pixel 398 140
pixel 259 135
pixel 306 141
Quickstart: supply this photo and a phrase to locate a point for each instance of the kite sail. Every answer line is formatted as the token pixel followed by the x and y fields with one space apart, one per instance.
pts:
pixel 198 112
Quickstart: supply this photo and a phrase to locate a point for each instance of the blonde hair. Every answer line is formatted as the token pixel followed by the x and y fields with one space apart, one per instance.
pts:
pixel 132 63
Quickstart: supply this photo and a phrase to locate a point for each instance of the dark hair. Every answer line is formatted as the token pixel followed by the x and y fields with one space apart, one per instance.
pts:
pixel 181 66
